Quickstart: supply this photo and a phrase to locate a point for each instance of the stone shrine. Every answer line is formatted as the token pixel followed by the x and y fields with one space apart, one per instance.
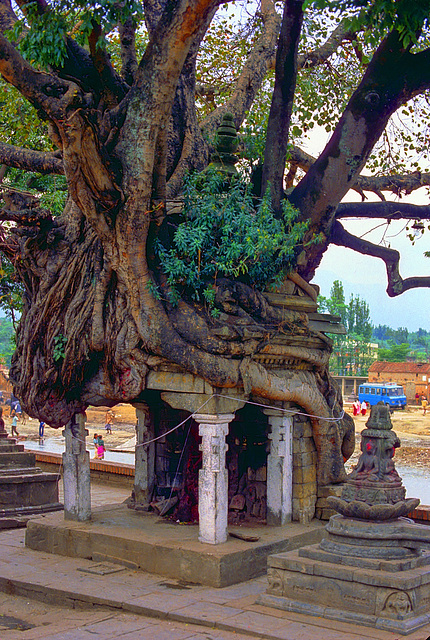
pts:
pixel 373 568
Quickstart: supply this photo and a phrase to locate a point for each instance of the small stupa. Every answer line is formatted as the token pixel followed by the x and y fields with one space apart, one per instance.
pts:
pixel 373 568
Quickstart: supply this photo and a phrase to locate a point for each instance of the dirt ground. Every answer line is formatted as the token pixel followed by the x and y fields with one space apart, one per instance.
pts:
pixel 412 427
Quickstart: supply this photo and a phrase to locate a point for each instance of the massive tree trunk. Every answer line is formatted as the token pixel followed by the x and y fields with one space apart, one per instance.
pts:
pixel 92 327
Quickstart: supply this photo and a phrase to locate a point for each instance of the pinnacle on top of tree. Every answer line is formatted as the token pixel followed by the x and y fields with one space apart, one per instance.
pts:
pixel 119 105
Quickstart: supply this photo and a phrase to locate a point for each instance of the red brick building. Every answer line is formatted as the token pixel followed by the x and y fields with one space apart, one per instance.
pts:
pixel 413 376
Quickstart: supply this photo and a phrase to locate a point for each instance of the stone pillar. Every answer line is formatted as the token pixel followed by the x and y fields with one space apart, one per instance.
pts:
pixel 76 476
pixel 144 473
pixel 343 387
pixel 279 468
pixel 213 478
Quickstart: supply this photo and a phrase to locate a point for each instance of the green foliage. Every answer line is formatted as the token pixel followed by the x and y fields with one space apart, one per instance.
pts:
pixel 352 353
pixel 395 353
pixel 42 36
pixel 408 17
pixel 225 235
pixel 59 350
pixel 7 340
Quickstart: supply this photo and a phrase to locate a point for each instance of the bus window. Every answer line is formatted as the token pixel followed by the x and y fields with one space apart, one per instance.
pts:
pixel 373 391
pixel 383 391
pixel 366 390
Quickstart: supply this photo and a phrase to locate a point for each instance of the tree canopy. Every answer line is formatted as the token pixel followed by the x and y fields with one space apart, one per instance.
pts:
pixel 121 102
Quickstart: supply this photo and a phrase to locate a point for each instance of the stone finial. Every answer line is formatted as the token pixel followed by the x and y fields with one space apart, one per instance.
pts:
pixel 374 489
pixel 224 157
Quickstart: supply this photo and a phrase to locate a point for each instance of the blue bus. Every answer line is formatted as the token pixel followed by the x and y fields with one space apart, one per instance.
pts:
pixel 391 394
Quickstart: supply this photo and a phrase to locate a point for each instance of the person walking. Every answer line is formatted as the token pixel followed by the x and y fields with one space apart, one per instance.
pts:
pixel 14 424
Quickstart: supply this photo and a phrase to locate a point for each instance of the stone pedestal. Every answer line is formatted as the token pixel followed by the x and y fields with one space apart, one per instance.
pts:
pixel 144 475
pixel 373 568
pixel 375 574
pixel 76 465
pixel 213 478
pixel 279 468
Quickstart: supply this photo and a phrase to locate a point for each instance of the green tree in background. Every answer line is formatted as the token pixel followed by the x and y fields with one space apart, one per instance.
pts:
pixel 352 353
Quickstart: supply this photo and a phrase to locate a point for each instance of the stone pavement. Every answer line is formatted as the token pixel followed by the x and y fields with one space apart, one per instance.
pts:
pixel 83 599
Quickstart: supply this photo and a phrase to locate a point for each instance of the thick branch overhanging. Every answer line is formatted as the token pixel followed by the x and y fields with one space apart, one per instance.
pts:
pixel 253 73
pixel 29 160
pixel 46 92
pixel 396 284
pixel 282 101
pixel 395 183
pixel 385 210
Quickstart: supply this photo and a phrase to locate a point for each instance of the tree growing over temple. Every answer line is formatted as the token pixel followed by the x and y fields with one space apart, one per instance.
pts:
pixel 116 283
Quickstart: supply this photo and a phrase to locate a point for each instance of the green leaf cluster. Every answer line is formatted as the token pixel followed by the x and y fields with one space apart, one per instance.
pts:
pixel 59 350
pixel 227 234
pixel 42 36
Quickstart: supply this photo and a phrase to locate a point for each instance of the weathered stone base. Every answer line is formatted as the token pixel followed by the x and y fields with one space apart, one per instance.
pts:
pixel 402 627
pixel 27 488
pixel 366 573
pixel 144 541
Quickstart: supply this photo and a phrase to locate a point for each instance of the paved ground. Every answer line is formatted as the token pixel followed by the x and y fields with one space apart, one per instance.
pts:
pixel 56 598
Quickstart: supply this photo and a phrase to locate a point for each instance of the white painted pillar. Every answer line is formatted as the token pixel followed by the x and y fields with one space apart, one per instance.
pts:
pixel 144 470
pixel 76 471
pixel 213 478
pixel 280 468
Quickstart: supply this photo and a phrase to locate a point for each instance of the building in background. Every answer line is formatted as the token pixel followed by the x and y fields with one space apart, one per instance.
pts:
pixel 413 376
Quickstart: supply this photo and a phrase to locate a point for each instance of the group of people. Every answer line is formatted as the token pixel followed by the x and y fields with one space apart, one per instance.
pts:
pixel 99 447
pixel 358 408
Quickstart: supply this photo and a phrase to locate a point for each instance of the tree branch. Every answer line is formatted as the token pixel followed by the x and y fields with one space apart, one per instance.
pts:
pixel 30 160
pixel 323 53
pixel 46 92
pixel 7 16
pixel 253 73
pixel 282 101
pixel 78 65
pixel 127 33
pixel 25 216
pixel 396 183
pixel 385 86
pixel 387 210
pixel 114 87
pixel 396 284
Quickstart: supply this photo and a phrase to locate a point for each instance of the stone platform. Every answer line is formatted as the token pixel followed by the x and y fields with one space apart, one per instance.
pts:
pixel 144 541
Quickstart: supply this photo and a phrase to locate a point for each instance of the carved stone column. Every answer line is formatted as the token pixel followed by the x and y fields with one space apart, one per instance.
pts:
pixel 213 478
pixel 144 474
pixel 279 468
pixel 76 476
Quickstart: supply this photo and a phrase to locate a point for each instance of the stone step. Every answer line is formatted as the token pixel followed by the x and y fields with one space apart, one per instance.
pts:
pixel 17 459
pixel 26 511
pixel 6 446
pixel 19 471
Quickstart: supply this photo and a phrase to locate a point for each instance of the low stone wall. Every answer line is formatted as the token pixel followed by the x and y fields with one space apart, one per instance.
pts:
pixel 121 475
